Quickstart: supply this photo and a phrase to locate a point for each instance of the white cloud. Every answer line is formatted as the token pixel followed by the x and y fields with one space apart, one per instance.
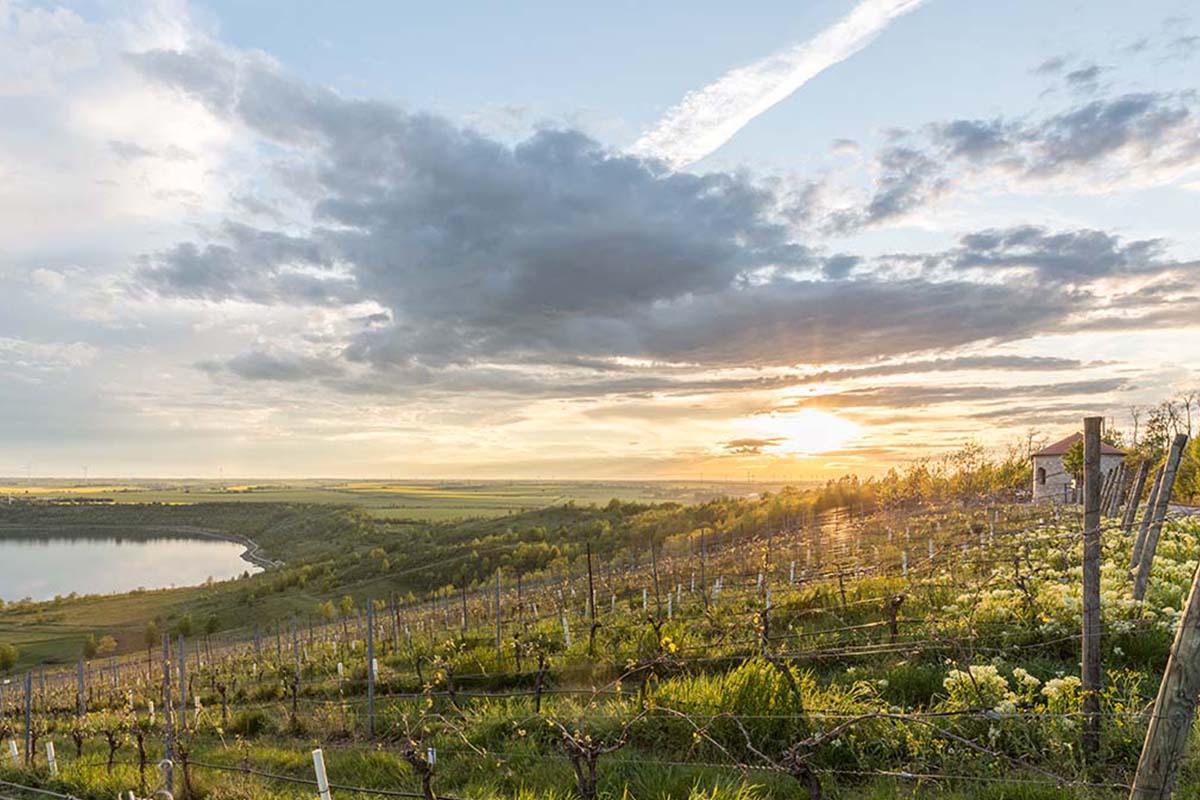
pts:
pixel 708 118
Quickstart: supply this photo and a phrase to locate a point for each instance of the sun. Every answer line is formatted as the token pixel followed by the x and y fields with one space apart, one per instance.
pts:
pixel 803 432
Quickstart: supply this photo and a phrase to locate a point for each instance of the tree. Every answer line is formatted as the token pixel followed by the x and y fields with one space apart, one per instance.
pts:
pixel 106 645
pixel 90 646
pixel 346 605
pixel 151 636
pixel 183 626
pixel 8 657
pixel 1072 461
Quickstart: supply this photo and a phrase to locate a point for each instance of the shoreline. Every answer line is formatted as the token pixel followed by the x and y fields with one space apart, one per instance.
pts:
pixel 252 553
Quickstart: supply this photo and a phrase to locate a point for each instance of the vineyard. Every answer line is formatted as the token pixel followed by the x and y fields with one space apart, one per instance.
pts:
pixel 788 651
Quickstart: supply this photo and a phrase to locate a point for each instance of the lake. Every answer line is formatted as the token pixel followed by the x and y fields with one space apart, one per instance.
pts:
pixel 44 566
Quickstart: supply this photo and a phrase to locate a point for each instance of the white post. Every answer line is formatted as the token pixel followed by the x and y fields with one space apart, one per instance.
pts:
pixel 322 779
pixel 644 606
pixel 566 631
pixel 12 751
pixel 50 760
pixel 150 707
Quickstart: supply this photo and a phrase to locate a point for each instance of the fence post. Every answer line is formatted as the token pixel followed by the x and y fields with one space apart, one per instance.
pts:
pixel 322 779
pixel 498 650
pixel 1157 514
pixel 1135 497
pixel 168 704
pixel 1118 495
pixel 1092 478
pixel 1147 517
pixel 370 668
pixel 28 718
pixel 1174 709
pixel 654 573
pixel 182 684
pixel 82 711
pixel 591 603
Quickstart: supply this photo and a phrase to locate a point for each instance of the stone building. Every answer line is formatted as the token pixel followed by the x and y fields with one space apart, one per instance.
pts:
pixel 1052 483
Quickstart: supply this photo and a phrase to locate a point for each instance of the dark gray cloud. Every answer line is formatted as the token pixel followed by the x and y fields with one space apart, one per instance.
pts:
pixel 260 365
pixel 557 251
pixel 935 365
pixel 1051 66
pixel 1156 128
pixel 975 139
pixel 1153 130
pixel 916 396
pixel 1058 256
pixel 907 179
pixel 249 264
pixel 750 446
pixel 1084 79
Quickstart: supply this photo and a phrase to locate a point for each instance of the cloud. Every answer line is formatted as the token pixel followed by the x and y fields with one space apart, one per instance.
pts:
pixel 1128 138
pixel 1155 130
pixel 1051 66
pixel 473 265
pixel 259 365
pixel 1084 79
pixel 919 396
pixel 130 151
pixel 40 46
pixel 709 117
pixel 907 180
pixel 248 264
pixel 750 446
pixel 1057 256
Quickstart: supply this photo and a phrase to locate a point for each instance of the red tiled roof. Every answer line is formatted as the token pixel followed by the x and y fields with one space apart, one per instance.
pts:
pixel 1063 445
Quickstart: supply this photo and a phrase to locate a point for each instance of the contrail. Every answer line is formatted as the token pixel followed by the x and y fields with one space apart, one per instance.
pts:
pixel 708 118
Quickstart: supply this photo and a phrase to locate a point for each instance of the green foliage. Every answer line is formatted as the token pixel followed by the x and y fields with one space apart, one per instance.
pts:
pixel 253 722
pixel 8 656
pixel 1072 461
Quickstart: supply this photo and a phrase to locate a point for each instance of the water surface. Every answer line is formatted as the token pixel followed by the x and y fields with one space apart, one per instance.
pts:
pixel 40 566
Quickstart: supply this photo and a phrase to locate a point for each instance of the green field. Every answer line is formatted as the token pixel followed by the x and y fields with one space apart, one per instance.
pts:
pixel 425 501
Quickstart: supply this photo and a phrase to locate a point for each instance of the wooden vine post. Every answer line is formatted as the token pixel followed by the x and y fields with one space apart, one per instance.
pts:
pixel 370 668
pixel 1157 513
pixel 1135 496
pixel 1174 709
pixel 1092 479
pixel 1147 515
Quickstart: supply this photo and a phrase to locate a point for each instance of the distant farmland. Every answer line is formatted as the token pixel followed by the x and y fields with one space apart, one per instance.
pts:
pixel 431 501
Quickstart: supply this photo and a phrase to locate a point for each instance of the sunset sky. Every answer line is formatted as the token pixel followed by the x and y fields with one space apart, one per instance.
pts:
pixel 555 240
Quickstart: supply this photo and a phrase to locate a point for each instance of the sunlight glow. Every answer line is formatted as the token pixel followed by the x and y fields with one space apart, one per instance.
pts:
pixel 804 432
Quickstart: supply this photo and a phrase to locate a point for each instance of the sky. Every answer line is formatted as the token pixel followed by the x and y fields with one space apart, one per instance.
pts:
pixel 553 240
